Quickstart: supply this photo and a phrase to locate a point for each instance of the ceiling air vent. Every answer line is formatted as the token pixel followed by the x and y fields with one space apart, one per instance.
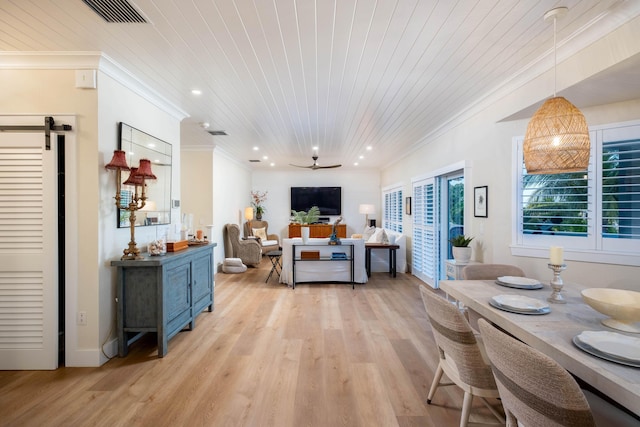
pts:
pixel 254 161
pixel 217 132
pixel 115 10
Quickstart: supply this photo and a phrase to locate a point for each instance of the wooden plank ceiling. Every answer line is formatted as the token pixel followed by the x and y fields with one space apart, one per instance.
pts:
pixel 341 75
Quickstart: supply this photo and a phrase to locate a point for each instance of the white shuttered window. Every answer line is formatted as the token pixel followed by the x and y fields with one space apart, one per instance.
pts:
pixel 392 209
pixel 595 212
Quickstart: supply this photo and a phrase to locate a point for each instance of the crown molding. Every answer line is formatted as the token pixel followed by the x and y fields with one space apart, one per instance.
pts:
pixel 89 60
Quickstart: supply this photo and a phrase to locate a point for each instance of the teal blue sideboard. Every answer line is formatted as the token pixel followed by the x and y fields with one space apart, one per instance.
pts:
pixel 163 294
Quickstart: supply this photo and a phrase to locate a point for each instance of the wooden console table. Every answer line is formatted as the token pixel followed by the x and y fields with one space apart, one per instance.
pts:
pixel 162 294
pixel 348 258
pixel 318 230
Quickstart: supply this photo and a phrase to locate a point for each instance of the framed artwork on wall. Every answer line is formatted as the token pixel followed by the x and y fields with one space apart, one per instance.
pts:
pixel 480 202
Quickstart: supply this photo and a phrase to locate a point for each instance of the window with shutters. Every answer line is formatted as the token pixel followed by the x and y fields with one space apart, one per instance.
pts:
pixel 595 214
pixel 392 218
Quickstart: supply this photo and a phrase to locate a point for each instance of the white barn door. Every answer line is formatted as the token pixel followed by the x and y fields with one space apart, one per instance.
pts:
pixel 28 252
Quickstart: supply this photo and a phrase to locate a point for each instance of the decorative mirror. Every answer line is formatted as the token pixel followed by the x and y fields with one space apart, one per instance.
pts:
pixel 140 145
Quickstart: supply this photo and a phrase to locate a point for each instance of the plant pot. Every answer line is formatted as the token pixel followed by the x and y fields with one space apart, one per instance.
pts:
pixel 462 255
pixel 259 216
pixel 305 234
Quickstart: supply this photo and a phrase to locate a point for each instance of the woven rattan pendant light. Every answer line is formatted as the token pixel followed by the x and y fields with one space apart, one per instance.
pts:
pixel 557 138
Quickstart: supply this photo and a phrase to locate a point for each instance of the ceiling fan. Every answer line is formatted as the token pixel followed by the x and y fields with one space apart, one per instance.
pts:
pixel 315 164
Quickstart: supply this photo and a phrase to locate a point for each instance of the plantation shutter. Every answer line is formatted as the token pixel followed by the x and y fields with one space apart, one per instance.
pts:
pixel 393 210
pixel 424 252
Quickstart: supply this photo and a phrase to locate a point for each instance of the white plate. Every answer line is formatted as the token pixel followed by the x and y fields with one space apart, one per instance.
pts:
pixel 519 302
pixel 545 310
pixel 613 343
pixel 520 281
pixel 525 287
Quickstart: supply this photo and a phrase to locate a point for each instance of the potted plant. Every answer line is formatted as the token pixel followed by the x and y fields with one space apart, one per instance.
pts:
pixel 258 199
pixel 305 218
pixel 461 249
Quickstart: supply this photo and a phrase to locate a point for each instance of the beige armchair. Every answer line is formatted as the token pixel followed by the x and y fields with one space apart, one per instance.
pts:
pixel 249 250
pixel 269 242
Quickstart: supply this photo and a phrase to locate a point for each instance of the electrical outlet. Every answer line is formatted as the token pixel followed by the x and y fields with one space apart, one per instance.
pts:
pixel 82 318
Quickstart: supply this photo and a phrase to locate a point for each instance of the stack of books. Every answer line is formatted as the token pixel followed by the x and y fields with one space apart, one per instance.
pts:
pixel 338 255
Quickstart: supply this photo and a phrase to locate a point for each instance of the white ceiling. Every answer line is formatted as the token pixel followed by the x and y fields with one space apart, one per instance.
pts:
pixel 343 75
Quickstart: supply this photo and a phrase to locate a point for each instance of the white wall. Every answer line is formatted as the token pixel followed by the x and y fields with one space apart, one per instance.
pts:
pixel 231 186
pixel 487 145
pixel 117 103
pixel 90 286
pixel 358 187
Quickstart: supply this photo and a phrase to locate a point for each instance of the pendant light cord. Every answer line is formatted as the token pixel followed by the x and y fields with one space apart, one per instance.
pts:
pixel 555 58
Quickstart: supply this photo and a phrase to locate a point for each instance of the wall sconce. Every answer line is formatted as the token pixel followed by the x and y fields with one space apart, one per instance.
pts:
pixel 137 177
pixel 366 210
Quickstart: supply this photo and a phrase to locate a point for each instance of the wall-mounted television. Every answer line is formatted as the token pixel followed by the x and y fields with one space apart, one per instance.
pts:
pixel 327 199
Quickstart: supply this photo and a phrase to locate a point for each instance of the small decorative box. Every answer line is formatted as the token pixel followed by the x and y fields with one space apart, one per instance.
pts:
pixel 310 254
pixel 177 246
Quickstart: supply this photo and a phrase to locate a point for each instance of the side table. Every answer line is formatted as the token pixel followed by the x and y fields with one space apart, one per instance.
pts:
pixel 392 256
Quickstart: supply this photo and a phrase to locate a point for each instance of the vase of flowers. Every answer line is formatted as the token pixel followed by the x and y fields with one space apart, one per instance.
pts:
pixel 257 201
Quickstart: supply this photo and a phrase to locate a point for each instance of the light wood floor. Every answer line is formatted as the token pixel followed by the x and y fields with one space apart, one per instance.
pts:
pixel 319 355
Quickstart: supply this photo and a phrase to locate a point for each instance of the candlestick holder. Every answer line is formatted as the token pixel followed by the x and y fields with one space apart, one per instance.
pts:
pixel 137 179
pixel 556 284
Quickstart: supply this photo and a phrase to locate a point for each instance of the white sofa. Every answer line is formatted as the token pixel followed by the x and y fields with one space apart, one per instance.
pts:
pixel 380 257
pixel 314 271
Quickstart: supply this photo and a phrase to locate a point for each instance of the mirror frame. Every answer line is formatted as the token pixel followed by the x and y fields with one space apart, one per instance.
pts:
pixel 141 145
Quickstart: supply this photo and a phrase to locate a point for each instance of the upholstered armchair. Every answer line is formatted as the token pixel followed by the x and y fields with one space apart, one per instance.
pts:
pixel 249 250
pixel 260 231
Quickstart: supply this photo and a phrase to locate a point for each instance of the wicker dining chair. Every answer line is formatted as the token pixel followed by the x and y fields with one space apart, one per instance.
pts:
pixel 490 271
pixel 535 390
pixel 461 357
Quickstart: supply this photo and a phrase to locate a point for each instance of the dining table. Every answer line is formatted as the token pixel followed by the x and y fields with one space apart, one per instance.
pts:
pixel 553 333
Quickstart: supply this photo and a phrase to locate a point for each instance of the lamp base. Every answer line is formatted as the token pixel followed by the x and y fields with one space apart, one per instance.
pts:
pixel 131 253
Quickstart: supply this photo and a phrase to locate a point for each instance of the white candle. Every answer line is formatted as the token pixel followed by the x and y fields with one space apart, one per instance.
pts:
pixel 555 255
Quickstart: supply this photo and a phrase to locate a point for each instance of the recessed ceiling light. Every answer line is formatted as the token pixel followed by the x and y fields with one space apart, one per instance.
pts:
pixel 369 148
pixel 255 148
pixel 205 125
pixel 196 92
pixel 315 148
pixel 361 157
pixel 355 164
pixel 272 164
pixel 265 157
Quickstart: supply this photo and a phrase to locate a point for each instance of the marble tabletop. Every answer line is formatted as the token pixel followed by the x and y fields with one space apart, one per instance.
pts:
pixel 553 333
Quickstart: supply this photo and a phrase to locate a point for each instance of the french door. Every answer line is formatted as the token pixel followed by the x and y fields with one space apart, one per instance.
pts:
pixel 438 204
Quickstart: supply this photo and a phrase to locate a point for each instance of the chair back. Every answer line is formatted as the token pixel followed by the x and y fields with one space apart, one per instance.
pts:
pixel 456 341
pixel 535 389
pixel 250 225
pixel 233 232
pixel 490 271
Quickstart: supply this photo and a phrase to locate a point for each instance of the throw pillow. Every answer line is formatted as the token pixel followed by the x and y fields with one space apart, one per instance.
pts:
pixel 376 237
pixel 384 239
pixel 260 233
pixel 367 233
